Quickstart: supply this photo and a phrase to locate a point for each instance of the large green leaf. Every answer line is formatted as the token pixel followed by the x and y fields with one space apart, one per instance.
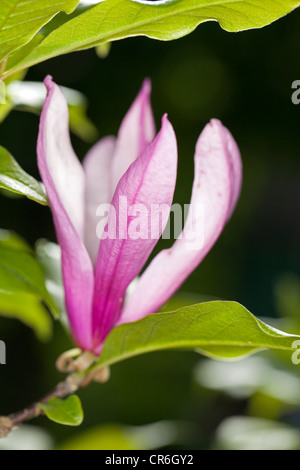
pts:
pixel 68 411
pixel 111 20
pixel 20 20
pixel 15 179
pixel 21 274
pixel 218 329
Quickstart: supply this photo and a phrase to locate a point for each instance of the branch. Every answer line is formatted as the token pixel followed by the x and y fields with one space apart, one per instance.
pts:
pixel 77 379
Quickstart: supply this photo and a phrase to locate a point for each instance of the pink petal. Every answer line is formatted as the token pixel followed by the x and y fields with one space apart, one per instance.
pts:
pixel 149 180
pixel 63 178
pixel 97 167
pixel 215 191
pixel 236 168
pixel 136 132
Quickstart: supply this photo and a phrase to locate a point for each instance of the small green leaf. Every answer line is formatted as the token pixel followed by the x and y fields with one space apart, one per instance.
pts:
pixel 68 411
pixel 20 273
pixel 218 329
pixel 14 178
pixel 111 20
pixel 20 20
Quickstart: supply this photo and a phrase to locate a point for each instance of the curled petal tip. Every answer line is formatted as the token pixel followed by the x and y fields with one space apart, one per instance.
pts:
pixel 165 120
pixel 214 125
pixel 215 122
pixel 48 82
pixel 167 133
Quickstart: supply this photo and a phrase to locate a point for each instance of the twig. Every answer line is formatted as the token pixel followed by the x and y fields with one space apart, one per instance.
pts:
pixel 77 379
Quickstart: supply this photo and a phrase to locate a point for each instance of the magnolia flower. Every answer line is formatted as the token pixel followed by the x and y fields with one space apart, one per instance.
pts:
pixel 142 166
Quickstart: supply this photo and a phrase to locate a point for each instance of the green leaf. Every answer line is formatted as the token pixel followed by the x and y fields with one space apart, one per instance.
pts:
pixel 23 51
pixel 20 20
pixel 14 178
pixel 20 273
pixel 111 20
pixel 218 329
pixel 68 411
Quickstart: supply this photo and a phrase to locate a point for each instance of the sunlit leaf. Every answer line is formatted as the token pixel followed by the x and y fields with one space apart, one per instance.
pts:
pixel 111 20
pixel 23 51
pixel 20 20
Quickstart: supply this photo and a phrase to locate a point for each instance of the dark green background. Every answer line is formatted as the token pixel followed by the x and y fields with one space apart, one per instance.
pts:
pixel 243 79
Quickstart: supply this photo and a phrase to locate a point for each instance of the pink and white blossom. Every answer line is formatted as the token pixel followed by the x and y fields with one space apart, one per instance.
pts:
pixel 141 165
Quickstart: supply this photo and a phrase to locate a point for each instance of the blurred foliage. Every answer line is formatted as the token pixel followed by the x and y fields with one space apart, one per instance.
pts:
pixel 245 80
pixel 30 96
